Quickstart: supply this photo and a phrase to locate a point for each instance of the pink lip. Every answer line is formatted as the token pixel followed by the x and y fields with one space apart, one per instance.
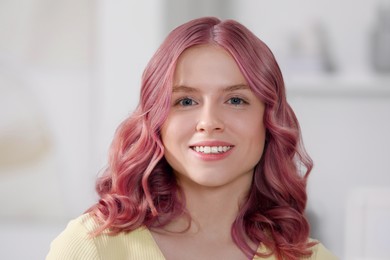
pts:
pixel 211 143
pixel 211 157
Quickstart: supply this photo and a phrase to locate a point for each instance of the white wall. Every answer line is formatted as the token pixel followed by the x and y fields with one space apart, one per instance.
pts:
pixel 127 34
pixel 347 137
pixel 348 25
pixel 81 63
pixel 336 111
pixel 344 115
pixel 78 63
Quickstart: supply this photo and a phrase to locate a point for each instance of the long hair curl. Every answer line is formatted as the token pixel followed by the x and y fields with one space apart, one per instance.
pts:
pixel 138 187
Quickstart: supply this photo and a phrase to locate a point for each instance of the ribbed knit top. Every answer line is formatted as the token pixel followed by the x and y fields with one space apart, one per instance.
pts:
pixel 75 243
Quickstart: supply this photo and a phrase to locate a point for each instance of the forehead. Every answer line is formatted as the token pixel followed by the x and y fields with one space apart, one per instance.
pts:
pixel 207 65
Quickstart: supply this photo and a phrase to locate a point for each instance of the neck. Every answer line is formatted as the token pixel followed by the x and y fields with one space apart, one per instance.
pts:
pixel 212 209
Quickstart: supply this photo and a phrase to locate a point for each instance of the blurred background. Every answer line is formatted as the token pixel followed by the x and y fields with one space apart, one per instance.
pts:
pixel 70 73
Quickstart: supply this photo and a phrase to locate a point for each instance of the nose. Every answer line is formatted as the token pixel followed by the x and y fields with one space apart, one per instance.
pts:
pixel 210 120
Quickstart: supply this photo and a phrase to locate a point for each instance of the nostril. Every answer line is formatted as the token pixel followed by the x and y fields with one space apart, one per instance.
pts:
pixel 209 126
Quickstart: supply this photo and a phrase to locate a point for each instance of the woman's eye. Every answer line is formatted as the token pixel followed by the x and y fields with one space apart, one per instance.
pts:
pixel 236 101
pixel 186 102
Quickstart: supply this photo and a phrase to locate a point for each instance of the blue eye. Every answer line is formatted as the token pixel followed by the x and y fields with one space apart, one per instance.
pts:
pixel 236 101
pixel 186 102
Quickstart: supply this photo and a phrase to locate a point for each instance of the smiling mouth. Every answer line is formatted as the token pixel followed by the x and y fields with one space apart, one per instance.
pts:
pixel 211 149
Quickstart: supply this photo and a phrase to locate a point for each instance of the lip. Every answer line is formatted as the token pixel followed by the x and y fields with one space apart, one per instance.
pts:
pixel 212 156
pixel 211 143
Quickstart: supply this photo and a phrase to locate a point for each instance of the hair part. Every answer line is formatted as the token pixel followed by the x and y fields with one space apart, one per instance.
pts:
pixel 138 186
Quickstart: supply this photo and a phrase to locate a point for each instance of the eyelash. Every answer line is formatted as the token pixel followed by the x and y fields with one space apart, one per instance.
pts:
pixel 179 102
pixel 241 100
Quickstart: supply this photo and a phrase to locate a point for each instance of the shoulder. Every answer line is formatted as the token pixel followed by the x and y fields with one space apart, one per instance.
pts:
pixel 75 242
pixel 320 252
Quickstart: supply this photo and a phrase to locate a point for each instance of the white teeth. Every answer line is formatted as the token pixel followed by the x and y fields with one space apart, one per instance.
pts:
pixel 211 149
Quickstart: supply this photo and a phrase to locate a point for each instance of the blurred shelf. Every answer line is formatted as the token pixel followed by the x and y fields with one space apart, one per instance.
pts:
pixel 334 86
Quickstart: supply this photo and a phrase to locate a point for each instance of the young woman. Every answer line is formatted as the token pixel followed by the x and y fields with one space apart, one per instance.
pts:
pixel 209 166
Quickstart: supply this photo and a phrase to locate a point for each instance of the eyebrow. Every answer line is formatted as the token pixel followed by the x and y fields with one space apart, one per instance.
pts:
pixel 183 89
pixel 236 87
pixel 187 89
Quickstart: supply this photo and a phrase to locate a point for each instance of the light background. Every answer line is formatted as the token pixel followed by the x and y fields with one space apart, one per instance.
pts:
pixel 70 72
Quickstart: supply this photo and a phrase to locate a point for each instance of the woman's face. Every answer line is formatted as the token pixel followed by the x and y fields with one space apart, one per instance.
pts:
pixel 214 134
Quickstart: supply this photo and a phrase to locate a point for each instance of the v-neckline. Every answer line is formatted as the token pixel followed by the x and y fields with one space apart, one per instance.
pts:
pixel 154 243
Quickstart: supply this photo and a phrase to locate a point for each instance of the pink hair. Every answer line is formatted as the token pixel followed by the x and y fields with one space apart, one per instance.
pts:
pixel 139 188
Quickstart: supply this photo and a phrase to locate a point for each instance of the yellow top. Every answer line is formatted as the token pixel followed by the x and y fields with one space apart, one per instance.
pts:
pixel 74 243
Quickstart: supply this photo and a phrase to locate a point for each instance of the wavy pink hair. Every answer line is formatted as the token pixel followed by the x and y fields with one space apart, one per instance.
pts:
pixel 139 188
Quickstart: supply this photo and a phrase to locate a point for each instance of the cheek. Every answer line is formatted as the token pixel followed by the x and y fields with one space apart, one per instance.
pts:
pixel 251 125
pixel 260 135
pixel 260 131
pixel 257 139
pixel 168 141
pixel 257 143
pixel 174 136
pixel 165 131
pixel 253 130
pixel 174 129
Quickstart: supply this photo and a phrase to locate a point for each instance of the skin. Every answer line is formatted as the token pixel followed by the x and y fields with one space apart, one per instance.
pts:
pixel 212 105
